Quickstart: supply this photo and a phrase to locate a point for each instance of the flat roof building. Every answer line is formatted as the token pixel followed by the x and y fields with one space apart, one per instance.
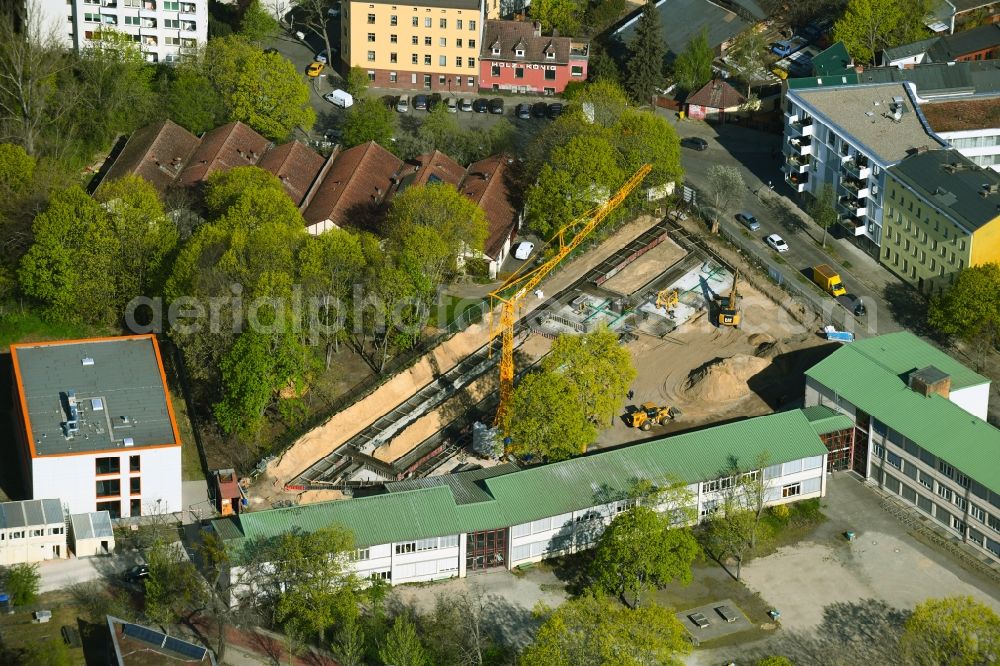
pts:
pixel 96 425
pixel 32 531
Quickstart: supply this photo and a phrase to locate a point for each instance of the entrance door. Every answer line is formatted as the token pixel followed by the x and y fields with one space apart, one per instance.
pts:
pixel 104 547
pixel 56 551
pixel 486 550
pixel 427 81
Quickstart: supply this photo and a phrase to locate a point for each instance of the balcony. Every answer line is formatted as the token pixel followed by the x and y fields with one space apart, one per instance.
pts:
pixel 851 207
pixel 854 188
pixel 801 127
pixel 147 23
pixel 187 8
pixel 108 19
pixel 798 182
pixel 855 225
pixel 797 163
pixel 801 146
pixel 189 26
pixel 149 40
pixel 110 4
pixel 858 168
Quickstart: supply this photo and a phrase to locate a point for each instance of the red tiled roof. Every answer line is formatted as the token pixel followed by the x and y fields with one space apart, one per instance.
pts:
pixel 432 167
pixel 155 152
pixel 295 165
pixel 717 95
pixel 509 36
pixel 356 185
pixel 486 183
pixel 224 148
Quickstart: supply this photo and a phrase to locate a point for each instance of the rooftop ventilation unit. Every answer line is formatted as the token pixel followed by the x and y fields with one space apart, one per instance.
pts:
pixel 128 441
pixel 97 404
pixel 87 361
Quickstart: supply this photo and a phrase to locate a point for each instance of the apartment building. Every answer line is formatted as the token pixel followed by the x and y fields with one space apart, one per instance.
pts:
pixel 942 213
pixel 431 45
pixel 500 517
pixel 165 30
pixel 919 430
pixel 516 56
pixel 847 136
pixel 95 425
pixel 32 531
pixel 970 125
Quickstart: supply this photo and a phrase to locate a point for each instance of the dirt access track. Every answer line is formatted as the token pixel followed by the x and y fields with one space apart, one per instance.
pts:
pixel 345 424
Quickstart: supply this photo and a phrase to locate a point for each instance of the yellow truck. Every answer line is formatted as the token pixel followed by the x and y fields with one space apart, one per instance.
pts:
pixel 828 279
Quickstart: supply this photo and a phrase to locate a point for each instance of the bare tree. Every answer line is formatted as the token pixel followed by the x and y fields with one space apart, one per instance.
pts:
pixel 725 185
pixel 313 17
pixel 30 61
pixel 734 527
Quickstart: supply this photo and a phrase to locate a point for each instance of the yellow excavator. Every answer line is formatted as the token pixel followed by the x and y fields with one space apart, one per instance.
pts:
pixel 668 298
pixel 648 414
pixel 729 306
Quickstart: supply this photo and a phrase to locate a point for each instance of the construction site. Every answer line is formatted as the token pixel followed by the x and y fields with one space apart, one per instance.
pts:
pixel 649 282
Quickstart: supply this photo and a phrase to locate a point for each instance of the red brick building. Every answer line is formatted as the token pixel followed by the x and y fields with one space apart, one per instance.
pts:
pixel 518 58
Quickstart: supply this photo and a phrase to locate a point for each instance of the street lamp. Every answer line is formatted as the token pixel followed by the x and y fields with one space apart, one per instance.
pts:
pixel 449 85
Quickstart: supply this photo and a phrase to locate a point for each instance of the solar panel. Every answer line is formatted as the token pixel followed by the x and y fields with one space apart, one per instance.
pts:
pixel 143 634
pixel 189 650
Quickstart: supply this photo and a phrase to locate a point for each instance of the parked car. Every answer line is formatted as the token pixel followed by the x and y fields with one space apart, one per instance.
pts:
pixel 420 102
pixel 523 250
pixel 433 101
pixel 340 98
pixel 727 613
pixel 334 11
pixel 322 57
pixel 747 219
pixel 555 110
pixel 137 573
pixel 539 109
pixel 465 104
pixel 523 111
pixel 782 48
pixel 496 105
pixel 403 103
pixel 452 105
pixel 777 243
pixel 695 142
pixel 314 69
pixel 481 105
pixel 699 619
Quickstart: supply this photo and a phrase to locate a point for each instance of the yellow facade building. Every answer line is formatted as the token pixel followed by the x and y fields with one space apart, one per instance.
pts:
pixel 433 45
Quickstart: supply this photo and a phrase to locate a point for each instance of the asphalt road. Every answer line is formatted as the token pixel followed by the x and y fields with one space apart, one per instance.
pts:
pixel 753 153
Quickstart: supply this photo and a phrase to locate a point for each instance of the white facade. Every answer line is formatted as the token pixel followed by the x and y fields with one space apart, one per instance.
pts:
pixel 75 479
pixel 91 534
pixel 25 540
pixel 164 29
pixel 982 146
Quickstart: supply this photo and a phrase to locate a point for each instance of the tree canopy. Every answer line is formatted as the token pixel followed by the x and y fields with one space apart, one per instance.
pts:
pixel 545 420
pixel 955 631
pixel 596 631
pixel 647 51
pixel 561 15
pixel 867 27
pixel 969 309
pixel 402 645
pixel 748 55
pixel 369 120
pixel 693 66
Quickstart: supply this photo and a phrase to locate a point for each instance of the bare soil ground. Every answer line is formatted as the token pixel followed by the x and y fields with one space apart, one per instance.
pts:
pixel 640 272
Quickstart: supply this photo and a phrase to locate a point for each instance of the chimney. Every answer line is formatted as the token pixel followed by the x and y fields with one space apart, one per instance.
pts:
pixel 930 380
pixel 537 31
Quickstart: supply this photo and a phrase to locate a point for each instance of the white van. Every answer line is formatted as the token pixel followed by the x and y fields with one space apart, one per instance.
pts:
pixel 403 105
pixel 340 98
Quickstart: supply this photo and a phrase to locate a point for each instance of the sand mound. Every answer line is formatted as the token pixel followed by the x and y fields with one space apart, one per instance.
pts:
pixel 758 339
pixel 724 378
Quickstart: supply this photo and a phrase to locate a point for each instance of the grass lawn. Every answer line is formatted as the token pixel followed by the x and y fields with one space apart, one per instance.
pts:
pixel 19 631
pixel 190 461
pixel 29 327
pixel 449 307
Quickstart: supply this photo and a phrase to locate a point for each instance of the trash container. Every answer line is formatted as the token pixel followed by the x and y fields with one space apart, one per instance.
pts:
pixel 849 535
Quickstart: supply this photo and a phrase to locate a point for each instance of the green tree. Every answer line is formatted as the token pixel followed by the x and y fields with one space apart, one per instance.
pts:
pixel 21 582
pixel 261 89
pixel 545 420
pixel 356 82
pixel 580 174
pixel 257 24
pixel 369 120
pixel 821 209
pixel 644 549
pixel 606 98
pixel 561 15
pixel 191 101
pixel 596 631
pixel 693 66
pixel 645 137
pixel 51 652
pixel 735 526
pixel 458 631
pixel 17 168
pixel 955 631
pixel 458 220
pixel 349 644
pixel 748 55
pixel 174 588
pixel 599 368
pixel 646 55
pixel 402 645
pixel 969 309
pixel 318 586
pixel 602 13
pixel 869 26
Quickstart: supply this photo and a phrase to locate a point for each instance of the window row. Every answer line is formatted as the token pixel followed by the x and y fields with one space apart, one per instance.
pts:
pixel 442 79
pixel 433 543
pixel 415 60
pixel 112 487
pixel 31 533
pixel 428 41
pixel 112 465
pixel 428 22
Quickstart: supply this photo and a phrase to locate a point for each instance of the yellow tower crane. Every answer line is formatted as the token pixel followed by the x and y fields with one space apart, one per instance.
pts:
pixel 512 293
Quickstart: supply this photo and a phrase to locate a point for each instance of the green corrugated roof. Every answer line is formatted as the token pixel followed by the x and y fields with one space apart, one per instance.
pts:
pixel 824 420
pixel 834 61
pixel 547 490
pixel 903 352
pixel 933 423
pixel 467 487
